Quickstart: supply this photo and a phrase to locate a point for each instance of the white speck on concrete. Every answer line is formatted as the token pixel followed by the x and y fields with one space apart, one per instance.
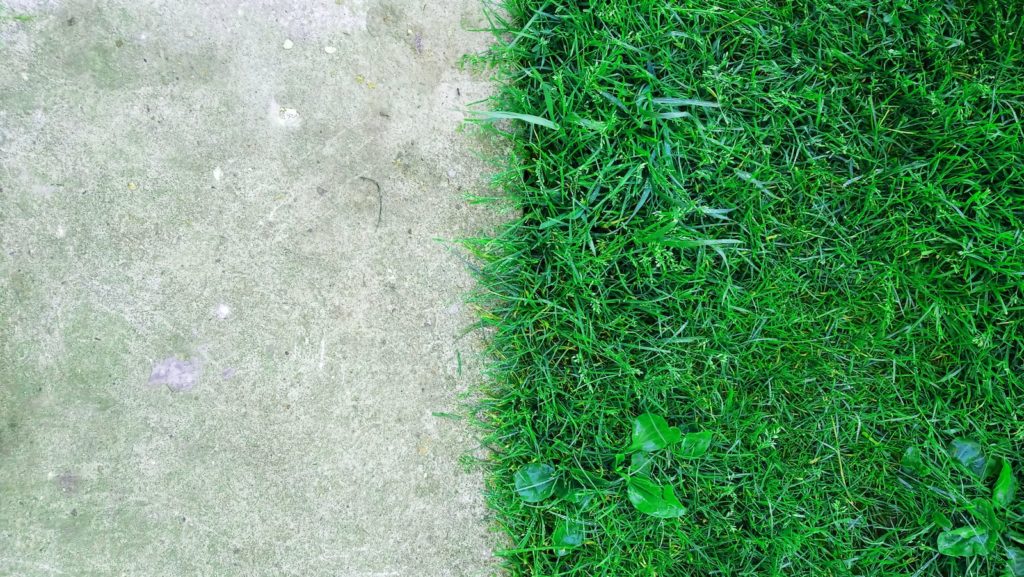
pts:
pixel 330 49
pixel 288 44
pixel 222 311
pixel 218 174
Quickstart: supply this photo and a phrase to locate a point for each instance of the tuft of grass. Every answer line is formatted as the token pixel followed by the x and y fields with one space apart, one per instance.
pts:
pixel 796 224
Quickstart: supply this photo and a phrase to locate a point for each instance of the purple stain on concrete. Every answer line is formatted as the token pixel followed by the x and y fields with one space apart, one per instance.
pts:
pixel 228 374
pixel 177 374
pixel 68 482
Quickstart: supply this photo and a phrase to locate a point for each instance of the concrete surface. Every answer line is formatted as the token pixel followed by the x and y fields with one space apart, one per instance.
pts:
pixel 220 344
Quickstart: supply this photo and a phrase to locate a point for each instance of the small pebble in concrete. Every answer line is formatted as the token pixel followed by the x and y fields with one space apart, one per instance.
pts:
pixel 288 44
pixel 330 49
pixel 222 311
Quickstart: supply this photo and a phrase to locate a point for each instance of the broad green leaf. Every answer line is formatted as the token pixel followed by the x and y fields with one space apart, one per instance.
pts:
pixel 568 535
pixel 694 445
pixel 1014 562
pixel 640 463
pixel 652 432
pixel 965 542
pixel 1006 486
pixel 970 455
pixel 984 511
pixel 535 482
pixel 912 462
pixel 654 500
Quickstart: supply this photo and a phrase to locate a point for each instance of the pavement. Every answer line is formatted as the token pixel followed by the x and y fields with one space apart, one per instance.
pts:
pixel 228 316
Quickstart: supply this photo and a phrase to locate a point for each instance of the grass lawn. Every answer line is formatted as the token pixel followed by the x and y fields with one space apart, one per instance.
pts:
pixel 793 227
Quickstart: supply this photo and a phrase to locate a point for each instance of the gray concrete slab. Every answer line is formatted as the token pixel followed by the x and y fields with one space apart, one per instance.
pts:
pixel 221 344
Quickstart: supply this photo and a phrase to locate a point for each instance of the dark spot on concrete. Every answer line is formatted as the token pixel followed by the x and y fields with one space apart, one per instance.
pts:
pixel 74 512
pixel 119 43
pixel 177 374
pixel 68 482
pixel 228 374
pixel 72 21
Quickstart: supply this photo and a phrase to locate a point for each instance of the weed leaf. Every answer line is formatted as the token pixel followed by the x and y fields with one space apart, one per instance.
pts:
pixel 535 482
pixel 568 535
pixel 580 497
pixel 694 445
pixel 941 520
pixel 912 462
pixel 654 500
pixel 965 542
pixel 652 432
pixel 1006 486
pixel 1014 562
pixel 970 455
pixel 984 511
pixel 640 464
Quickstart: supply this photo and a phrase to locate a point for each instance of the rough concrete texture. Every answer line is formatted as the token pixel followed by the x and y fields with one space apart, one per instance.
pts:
pixel 221 344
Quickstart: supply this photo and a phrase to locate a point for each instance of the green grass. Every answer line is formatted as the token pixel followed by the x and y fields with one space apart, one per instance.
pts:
pixel 796 224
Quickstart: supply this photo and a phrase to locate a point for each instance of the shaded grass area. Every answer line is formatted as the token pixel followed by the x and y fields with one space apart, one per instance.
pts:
pixel 795 224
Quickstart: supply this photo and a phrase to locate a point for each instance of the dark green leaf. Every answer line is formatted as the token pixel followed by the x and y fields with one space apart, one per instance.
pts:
pixel 562 488
pixel 535 482
pixel 912 462
pixel 1006 486
pixel 654 500
pixel 652 432
pixel 1014 562
pixel 694 445
pixel 965 542
pixel 568 534
pixel 588 479
pixel 970 455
